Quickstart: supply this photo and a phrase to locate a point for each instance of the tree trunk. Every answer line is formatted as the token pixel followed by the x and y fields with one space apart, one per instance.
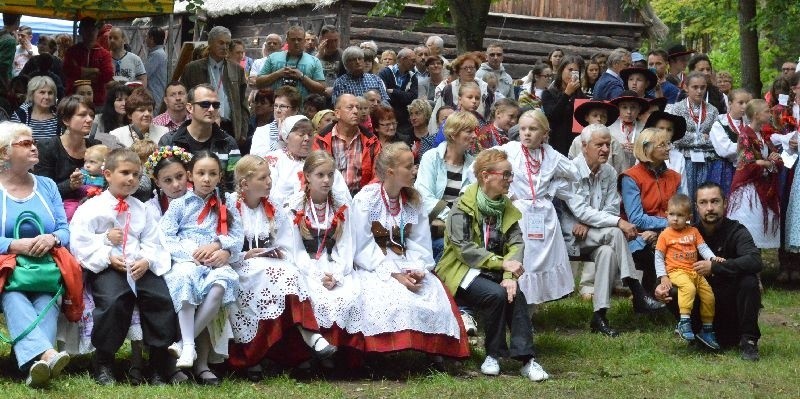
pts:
pixel 748 42
pixel 470 18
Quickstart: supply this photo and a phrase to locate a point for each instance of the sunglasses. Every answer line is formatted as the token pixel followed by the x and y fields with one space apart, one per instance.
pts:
pixel 206 104
pixel 24 144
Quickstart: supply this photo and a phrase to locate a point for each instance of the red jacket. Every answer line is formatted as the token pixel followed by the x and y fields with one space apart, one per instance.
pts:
pixel 71 272
pixel 370 145
pixel 77 57
pixel 655 191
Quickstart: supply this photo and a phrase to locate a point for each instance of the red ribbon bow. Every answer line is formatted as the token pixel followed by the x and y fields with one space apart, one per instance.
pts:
pixel 222 223
pixel 269 210
pixel 93 191
pixel 121 206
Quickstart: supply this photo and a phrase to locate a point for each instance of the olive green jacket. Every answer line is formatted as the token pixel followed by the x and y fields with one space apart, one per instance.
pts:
pixel 463 241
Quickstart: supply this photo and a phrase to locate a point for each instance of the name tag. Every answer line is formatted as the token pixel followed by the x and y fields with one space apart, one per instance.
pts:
pixel 535 224
pixel 697 156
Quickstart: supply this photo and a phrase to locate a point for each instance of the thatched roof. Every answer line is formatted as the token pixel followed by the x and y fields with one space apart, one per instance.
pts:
pixel 219 8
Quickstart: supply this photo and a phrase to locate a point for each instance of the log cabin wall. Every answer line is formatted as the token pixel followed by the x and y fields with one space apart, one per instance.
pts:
pixel 581 27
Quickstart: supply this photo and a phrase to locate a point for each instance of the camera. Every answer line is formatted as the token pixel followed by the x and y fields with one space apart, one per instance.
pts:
pixel 288 82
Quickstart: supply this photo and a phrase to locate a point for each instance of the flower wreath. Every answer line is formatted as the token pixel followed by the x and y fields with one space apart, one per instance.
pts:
pixel 165 152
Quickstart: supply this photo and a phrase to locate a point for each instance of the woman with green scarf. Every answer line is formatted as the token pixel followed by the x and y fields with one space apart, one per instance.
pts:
pixel 482 261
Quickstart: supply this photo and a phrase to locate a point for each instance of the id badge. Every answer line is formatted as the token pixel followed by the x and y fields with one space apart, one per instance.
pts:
pixel 405 265
pixel 697 156
pixel 535 224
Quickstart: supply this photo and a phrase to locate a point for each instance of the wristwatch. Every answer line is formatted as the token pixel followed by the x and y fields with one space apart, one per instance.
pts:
pixel 58 241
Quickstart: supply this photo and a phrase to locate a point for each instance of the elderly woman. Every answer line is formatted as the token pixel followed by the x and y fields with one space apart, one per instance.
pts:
pixel 483 260
pixel 464 67
pixel 646 188
pixel 286 165
pixel 267 138
pixel 701 159
pixel 139 110
pixel 444 172
pixel 23 191
pixel 558 102
pixel 37 111
pixel 421 139
pixel 404 306
pixel 61 158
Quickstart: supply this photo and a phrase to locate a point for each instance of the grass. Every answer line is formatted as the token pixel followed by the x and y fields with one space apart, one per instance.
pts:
pixel 646 361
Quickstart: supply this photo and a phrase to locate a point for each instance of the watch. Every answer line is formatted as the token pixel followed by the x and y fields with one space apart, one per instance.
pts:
pixel 58 241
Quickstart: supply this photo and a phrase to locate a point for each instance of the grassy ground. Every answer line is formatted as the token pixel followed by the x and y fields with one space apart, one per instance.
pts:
pixel 647 361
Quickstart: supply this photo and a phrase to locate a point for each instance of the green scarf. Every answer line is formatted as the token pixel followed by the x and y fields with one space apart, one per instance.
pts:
pixel 490 207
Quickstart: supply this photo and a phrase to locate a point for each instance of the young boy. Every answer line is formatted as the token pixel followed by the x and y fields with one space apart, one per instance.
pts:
pixel 625 129
pixel 504 115
pixel 603 113
pixel 676 253
pixel 119 246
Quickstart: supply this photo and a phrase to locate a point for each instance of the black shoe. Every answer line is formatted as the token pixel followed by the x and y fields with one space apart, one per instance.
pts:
pixel 600 325
pixel 135 376
pixel 104 375
pixel 175 377
pixel 255 373
pixel 210 378
pixel 646 304
pixel 749 349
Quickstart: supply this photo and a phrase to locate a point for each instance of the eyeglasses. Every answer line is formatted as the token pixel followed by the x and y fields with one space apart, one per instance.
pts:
pixel 664 146
pixel 505 174
pixel 550 76
pixel 282 107
pixel 24 144
pixel 206 104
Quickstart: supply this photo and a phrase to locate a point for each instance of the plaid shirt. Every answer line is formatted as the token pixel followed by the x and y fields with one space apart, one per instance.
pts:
pixel 347 84
pixel 166 121
pixel 348 158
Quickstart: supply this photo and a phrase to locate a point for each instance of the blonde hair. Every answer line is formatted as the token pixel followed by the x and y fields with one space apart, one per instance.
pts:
pixel 468 86
pixel 246 167
pixel 422 106
pixel 646 141
pixel 755 106
pixel 486 160
pixel 10 131
pixel 681 202
pixel 143 148
pixel 457 122
pixel 538 116
pixel 387 159
pixel 98 152
pixel 314 160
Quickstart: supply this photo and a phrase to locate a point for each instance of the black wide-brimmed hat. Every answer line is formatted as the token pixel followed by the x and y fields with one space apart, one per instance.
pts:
pixel 583 110
pixel 678 123
pixel 678 50
pixel 651 77
pixel 629 95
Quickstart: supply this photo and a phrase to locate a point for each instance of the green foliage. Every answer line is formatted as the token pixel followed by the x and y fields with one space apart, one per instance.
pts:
pixel 438 12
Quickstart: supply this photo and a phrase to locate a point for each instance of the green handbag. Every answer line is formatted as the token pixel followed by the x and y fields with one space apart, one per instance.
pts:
pixel 34 274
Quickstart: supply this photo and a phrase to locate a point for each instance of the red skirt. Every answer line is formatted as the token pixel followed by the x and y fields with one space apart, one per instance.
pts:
pixel 278 339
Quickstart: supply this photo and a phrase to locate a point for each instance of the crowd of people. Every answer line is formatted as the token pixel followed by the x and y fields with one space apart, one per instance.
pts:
pixel 326 203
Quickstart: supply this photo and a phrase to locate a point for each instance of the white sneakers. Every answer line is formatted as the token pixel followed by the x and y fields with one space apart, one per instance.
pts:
pixel 469 324
pixel 534 371
pixel 490 366
pixel 38 375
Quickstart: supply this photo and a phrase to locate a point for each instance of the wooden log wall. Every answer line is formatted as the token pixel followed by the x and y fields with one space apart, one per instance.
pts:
pixel 526 39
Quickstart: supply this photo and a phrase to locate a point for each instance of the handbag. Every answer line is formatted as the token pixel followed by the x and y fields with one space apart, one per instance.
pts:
pixel 34 274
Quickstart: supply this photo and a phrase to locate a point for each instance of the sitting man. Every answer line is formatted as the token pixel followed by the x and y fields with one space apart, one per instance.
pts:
pixel 734 281
pixel 593 227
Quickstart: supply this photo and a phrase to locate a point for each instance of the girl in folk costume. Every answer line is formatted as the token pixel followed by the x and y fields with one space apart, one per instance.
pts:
pixel 403 306
pixel 540 174
pixel 788 256
pixel 167 168
pixel 754 196
pixel 724 135
pixel 286 164
pixel 273 305
pixel 625 129
pixel 201 233
pixel 322 248
pixel 696 145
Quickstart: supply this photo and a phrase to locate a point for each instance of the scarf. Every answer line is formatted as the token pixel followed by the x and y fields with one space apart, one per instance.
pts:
pixel 491 208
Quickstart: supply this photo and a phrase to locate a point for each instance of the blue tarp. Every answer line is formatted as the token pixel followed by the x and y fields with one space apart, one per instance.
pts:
pixel 46 26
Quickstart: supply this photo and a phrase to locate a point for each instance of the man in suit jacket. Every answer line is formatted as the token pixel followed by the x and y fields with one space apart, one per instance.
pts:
pixel 228 80
pixel 610 85
pixel 401 84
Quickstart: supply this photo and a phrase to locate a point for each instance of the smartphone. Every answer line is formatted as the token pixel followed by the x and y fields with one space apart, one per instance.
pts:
pixel 576 75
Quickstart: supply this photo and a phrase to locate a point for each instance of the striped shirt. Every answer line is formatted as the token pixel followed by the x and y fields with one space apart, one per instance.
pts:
pixel 41 129
pixel 348 158
pixel 453 188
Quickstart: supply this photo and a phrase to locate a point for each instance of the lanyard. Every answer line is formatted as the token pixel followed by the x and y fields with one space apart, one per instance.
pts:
pixel 400 224
pixel 125 231
pixel 219 81
pixel 732 125
pixel 320 244
pixel 533 167
pixel 629 133
pixel 698 119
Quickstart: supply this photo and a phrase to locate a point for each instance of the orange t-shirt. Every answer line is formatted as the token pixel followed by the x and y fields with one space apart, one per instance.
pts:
pixel 679 247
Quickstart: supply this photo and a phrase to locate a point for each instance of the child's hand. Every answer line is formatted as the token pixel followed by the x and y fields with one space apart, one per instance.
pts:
pixel 117 263
pixel 204 252
pixel 115 236
pixel 328 281
pixel 665 283
pixel 139 268
pixel 253 253
pixel 218 258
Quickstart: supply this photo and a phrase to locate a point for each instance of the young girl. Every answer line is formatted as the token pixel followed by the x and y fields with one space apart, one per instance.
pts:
pixel 724 136
pixel 540 174
pixel 203 235
pixel 267 273
pixel 167 168
pixel 402 305
pixel 469 99
pixel 322 247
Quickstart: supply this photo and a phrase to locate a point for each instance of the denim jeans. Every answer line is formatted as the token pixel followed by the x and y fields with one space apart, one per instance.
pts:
pixel 21 309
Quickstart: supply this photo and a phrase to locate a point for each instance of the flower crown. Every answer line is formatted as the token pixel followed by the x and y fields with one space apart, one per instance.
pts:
pixel 165 152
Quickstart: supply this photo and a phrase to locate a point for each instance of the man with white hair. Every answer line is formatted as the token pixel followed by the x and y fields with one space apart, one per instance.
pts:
pixel 594 229
pixel 436 45
pixel 356 80
pixel 610 85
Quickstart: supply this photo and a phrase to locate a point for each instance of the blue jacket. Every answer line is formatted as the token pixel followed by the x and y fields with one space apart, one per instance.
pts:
pixel 432 178
pixel 608 87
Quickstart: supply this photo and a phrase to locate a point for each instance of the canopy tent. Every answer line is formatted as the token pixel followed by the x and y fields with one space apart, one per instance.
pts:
pixel 47 26
pixel 77 9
